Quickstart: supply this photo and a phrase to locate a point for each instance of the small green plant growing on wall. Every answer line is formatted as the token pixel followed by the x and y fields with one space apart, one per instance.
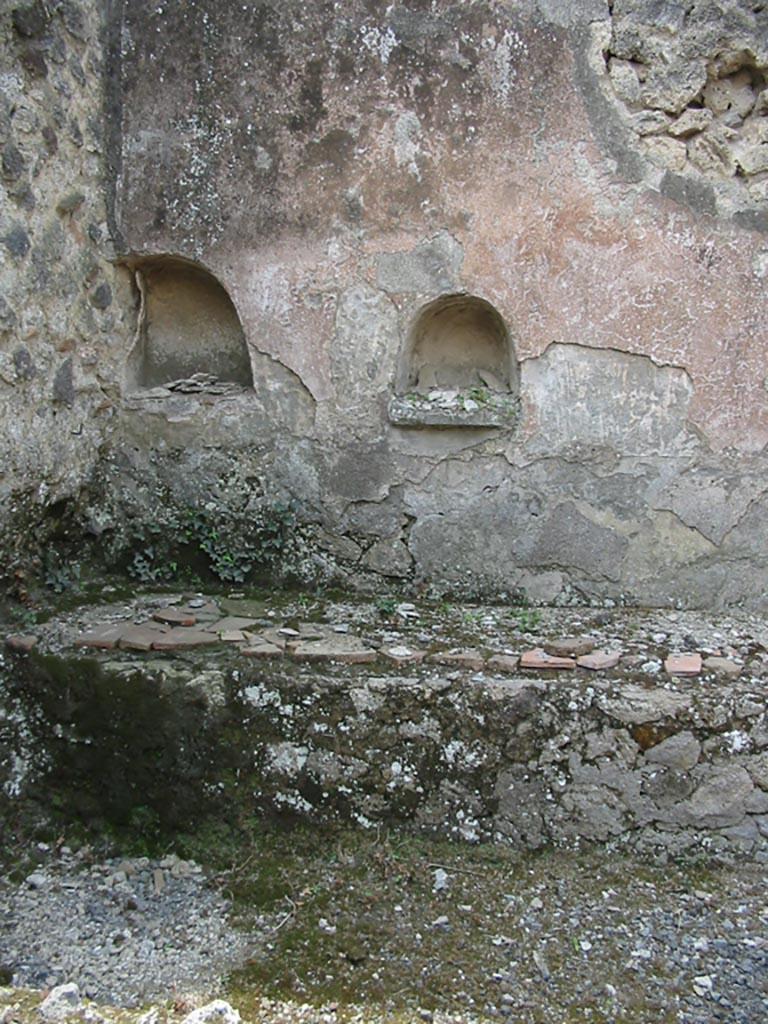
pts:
pixel 60 574
pixel 386 605
pixel 479 395
pixel 527 619
pixel 231 550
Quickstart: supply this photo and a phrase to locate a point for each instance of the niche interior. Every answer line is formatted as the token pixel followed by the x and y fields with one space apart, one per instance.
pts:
pixel 188 327
pixel 458 366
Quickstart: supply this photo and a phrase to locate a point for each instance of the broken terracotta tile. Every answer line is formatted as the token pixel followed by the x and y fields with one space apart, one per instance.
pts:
pixel 230 622
pixel 273 636
pixel 470 659
pixel 232 636
pixel 599 660
pixel 22 643
pixel 399 654
pixel 346 649
pixel 204 611
pixel 569 647
pixel 503 663
pixel 175 617
pixel 104 638
pixel 181 637
pixel 140 637
pixel 722 666
pixel 262 651
pixel 687 664
pixel 538 658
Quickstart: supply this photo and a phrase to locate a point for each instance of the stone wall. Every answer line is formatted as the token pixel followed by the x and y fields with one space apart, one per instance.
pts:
pixel 63 311
pixel 592 176
pixel 673 768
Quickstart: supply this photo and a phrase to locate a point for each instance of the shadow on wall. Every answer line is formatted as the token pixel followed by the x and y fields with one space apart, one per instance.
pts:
pixel 187 326
pixel 458 342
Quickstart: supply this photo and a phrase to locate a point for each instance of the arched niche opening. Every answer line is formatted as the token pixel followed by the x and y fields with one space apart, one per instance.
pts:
pixel 188 328
pixel 458 342
pixel 458 368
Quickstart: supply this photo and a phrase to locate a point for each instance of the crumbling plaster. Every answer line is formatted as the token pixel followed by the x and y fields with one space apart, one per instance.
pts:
pixel 337 167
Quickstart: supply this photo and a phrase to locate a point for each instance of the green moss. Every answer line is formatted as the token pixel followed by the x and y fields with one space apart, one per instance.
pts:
pixel 354 919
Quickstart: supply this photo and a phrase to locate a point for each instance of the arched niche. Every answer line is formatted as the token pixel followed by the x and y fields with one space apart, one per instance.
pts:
pixel 187 326
pixel 458 342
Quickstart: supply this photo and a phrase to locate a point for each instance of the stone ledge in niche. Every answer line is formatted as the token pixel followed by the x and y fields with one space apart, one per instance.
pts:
pixel 453 409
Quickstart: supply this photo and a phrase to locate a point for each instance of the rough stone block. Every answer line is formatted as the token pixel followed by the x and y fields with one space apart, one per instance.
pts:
pixel 720 799
pixel 31 19
pixel 681 751
pixel 569 647
pixel 722 666
pixel 669 154
pixel 61 1002
pixel 636 705
pixel 690 122
pixel 263 650
pixel 64 384
pixel 711 152
pixel 217 1012
pixel 758 769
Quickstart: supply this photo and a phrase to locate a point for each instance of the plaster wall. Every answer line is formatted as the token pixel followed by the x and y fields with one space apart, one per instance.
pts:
pixel 337 167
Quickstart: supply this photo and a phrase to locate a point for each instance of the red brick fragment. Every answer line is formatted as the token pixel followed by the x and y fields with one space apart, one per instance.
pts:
pixel 538 658
pixel 599 660
pixel 22 643
pixel 103 638
pixel 472 660
pixel 399 654
pixel 175 617
pixel 688 664
pixel 140 638
pixel 181 637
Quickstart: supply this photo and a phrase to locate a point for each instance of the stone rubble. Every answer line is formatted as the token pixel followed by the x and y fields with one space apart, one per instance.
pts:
pixel 494 737
pixel 123 931
pixel 201 622
pixel 549 936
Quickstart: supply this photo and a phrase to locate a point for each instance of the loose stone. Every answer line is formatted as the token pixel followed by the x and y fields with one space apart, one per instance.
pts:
pixel 722 666
pixel 399 654
pixel 570 647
